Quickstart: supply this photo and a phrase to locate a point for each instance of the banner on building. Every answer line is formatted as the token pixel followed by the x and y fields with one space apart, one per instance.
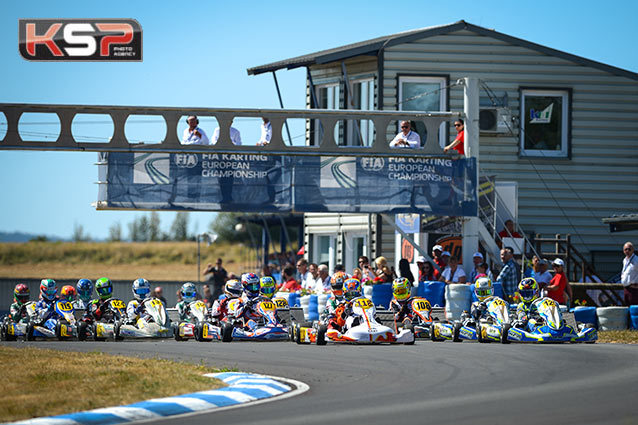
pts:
pixel 266 183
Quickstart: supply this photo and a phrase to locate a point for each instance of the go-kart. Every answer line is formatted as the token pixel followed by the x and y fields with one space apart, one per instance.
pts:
pixel 359 327
pixel 550 326
pixel 493 327
pixel 113 315
pixel 61 325
pixel 420 318
pixel 10 330
pixel 199 326
pixel 266 328
pixel 152 323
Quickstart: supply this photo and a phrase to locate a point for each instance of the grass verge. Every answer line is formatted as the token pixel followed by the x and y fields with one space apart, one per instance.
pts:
pixel 619 337
pixel 42 382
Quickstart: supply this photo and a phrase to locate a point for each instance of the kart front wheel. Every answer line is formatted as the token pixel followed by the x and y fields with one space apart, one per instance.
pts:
pixel 298 333
pixel 291 331
pixel 176 334
pixel 58 332
pixel 411 329
pixel 227 332
pixel 30 330
pixel 504 332
pixel 95 337
pixel 321 335
pixel 116 332
pixel 82 331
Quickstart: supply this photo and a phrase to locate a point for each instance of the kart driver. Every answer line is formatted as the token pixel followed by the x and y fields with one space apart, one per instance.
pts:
pixel 336 297
pixel 267 287
pixel 18 310
pixel 351 289
pixel 141 291
pixel 84 289
pixel 232 290
pixel 67 293
pixel 527 311
pixel 96 310
pixel 189 294
pixel 250 283
pixel 400 304
pixel 484 292
pixel 45 307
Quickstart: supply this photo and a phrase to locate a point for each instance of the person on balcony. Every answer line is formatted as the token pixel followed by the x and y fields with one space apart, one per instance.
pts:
pixel 509 231
pixel 459 143
pixel 194 135
pixel 235 136
pixel 406 137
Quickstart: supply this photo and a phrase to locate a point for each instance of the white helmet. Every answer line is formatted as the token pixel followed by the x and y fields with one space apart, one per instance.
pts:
pixel 483 288
pixel 189 292
pixel 141 289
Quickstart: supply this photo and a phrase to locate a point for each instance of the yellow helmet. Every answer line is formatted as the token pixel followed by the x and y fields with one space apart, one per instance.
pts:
pixel 401 288
pixel 483 288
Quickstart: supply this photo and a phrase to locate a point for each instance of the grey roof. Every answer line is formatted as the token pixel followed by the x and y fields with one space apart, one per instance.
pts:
pixel 622 222
pixel 374 45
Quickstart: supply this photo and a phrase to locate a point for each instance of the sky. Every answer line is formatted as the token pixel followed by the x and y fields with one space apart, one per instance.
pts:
pixel 196 55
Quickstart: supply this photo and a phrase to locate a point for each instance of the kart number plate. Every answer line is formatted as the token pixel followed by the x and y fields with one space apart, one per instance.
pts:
pixel 267 305
pixel 421 305
pixel 364 303
pixel 65 306
pixel 117 304
pixel 156 303
pixel 498 301
pixel 281 303
pixel 200 305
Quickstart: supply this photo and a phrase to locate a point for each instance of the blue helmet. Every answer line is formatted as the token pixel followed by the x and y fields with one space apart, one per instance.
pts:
pixel 250 282
pixel 189 292
pixel 352 288
pixel 48 289
pixel 84 289
pixel 141 289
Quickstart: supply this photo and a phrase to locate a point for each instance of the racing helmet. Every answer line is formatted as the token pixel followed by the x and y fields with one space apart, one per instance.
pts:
pixel 189 292
pixel 401 288
pixel 528 290
pixel 104 288
pixel 267 286
pixel 483 288
pixel 68 293
pixel 352 288
pixel 21 293
pixel 233 288
pixel 141 289
pixel 250 282
pixel 48 289
pixel 336 282
pixel 84 289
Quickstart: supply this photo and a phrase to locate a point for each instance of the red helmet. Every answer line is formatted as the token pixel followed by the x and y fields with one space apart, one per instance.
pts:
pixel 68 293
pixel 21 293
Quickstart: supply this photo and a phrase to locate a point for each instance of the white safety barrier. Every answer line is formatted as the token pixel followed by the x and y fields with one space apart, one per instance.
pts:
pixel 322 299
pixel 304 301
pixel 458 298
pixel 612 318
pixel 367 291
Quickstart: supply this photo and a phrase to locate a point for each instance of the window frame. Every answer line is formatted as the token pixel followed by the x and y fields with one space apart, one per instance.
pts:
pixel 566 125
pixel 350 133
pixel 318 129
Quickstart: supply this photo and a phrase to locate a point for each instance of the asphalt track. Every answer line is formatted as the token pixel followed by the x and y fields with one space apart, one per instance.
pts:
pixel 428 382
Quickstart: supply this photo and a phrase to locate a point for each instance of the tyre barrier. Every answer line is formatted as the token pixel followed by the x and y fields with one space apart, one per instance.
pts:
pixel 382 295
pixel 584 314
pixel 458 298
pixel 432 291
pixel 612 318
pixel 293 300
pixel 313 308
pixel 304 301
pixel 633 316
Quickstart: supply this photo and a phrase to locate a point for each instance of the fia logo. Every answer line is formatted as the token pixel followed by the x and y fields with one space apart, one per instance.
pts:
pixel 372 164
pixel 186 160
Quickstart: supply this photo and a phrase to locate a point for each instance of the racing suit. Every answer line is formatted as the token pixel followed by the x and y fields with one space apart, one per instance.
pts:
pixel 527 315
pixel 336 312
pixel 45 309
pixel 478 310
pixel 247 311
pixel 18 313
pixel 81 304
pixel 135 310
pixel 183 310
pixel 97 310
pixel 219 310
pixel 402 309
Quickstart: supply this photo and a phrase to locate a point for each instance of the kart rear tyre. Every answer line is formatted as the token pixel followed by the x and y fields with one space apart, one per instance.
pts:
pixel 504 332
pixel 30 330
pixel 199 332
pixel 176 334
pixel 95 337
pixel 321 335
pixel 291 331
pixel 411 328
pixel 58 332
pixel 298 333
pixel 82 330
pixel 116 332
pixel 227 332
pixel 432 336
pixel 4 335
pixel 456 331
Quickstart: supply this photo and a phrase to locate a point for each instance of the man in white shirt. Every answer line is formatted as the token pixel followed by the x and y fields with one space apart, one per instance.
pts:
pixel 266 132
pixel 325 277
pixel 543 277
pixel 629 274
pixel 305 278
pixel 315 282
pixel 406 137
pixel 193 135
pixel 235 137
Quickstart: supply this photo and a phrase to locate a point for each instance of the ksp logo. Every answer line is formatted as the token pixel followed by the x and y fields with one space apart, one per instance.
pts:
pixel 185 160
pixel 372 164
pixel 80 39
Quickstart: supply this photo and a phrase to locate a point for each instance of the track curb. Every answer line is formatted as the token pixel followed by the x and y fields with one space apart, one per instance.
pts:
pixel 244 389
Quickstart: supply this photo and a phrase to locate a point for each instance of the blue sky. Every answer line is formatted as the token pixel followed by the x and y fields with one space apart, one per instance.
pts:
pixel 196 55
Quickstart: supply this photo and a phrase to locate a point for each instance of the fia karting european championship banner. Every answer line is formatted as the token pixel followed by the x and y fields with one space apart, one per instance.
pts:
pixel 264 183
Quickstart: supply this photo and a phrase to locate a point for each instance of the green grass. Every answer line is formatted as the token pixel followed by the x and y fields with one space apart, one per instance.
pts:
pixel 619 337
pixel 81 381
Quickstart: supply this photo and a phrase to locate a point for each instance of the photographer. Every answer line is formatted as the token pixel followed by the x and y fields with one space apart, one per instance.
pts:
pixel 366 271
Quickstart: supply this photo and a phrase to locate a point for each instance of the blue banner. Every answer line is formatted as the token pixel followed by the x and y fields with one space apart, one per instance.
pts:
pixel 264 183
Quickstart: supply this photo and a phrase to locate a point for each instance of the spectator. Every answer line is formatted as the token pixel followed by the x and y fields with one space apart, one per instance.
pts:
pixel 356 273
pixel 558 286
pixel 217 276
pixel 178 295
pixel 208 296
pixel 325 277
pixel 404 270
pixel 290 283
pixel 387 275
pixel 509 230
pixel 406 137
pixel 193 135
pixel 158 293
pixel 266 132
pixel 437 250
pixel 453 273
pixel 629 274
pixel 305 278
pixel 508 277
pixel 380 262
pixel 315 282
pixel 445 258
pixel 426 270
pixel 477 259
pixel 366 271
pixel 459 143
pixel 340 268
pixel 235 136
pixel 482 270
pixel 540 273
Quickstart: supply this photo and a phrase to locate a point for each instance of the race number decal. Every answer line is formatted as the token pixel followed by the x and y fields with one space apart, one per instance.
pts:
pixel 421 305
pixel 364 303
pixel 65 306
pixel 267 305
pixel 205 330
pixel 200 305
pixel 117 304
pixel 155 303
pixel 281 303
pixel 498 301
pixel 548 303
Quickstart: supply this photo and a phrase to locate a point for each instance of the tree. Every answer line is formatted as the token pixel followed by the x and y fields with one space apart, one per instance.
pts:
pixel 224 225
pixel 179 228
pixel 143 228
pixel 134 231
pixel 78 233
pixel 154 232
pixel 115 232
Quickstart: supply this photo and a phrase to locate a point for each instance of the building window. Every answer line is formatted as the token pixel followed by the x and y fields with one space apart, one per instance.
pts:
pixel 545 121
pixel 323 250
pixel 423 94
pixel 328 97
pixel 361 132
